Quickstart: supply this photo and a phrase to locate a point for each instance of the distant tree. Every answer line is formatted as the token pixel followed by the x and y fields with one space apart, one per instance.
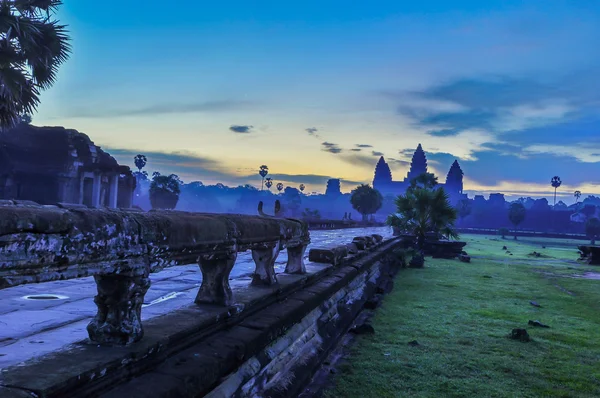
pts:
pixel 588 210
pixel 592 229
pixel 555 182
pixel 463 209
pixel 302 187
pixel 164 191
pixel 291 201
pixel 577 195
pixel 33 47
pixel 366 200
pixel 140 162
pixel 263 171
pixel 424 180
pixel 516 215
pixel 279 187
pixel 503 232
pixel 269 182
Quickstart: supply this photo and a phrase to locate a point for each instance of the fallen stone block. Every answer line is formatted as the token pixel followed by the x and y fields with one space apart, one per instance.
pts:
pixel 378 238
pixel 352 248
pixel 465 259
pixel 332 255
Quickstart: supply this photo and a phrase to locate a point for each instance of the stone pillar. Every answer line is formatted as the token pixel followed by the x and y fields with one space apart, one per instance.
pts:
pixel 119 317
pixel 215 278
pixel 81 179
pixel 295 262
pixel 114 191
pixel 96 190
pixel 264 256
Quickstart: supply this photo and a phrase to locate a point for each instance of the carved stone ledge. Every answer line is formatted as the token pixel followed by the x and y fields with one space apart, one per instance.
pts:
pixel 264 256
pixel 215 269
pixel 119 301
pixel 295 262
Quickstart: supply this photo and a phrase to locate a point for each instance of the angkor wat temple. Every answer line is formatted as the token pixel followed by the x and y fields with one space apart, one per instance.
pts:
pixel 51 165
pixel 383 177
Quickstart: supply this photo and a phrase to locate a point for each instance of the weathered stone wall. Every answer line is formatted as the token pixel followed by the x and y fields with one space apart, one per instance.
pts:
pixel 267 344
pixel 120 248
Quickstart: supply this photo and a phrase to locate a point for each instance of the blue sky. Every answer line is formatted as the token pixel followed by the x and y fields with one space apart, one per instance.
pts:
pixel 321 89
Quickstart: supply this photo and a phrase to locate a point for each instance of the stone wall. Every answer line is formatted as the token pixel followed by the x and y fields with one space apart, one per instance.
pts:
pixel 267 342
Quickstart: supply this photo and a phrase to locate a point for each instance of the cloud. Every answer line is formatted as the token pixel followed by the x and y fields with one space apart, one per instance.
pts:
pixel 312 131
pixel 499 104
pixel 364 146
pixel 375 153
pixel 398 162
pixel 364 161
pixel 331 148
pixel 187 165
pixel 356 149
pixel 241 129
pixel 163 109
pixel 444 132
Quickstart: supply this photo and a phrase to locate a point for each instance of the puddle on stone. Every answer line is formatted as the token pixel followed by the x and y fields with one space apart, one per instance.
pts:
pixel 44 297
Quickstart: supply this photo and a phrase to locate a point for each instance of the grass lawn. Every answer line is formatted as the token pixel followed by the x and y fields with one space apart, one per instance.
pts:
pixel 460 314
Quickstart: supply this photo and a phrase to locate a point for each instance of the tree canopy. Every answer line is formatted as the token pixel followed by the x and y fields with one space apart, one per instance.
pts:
pixel 366 200
pixel 33 47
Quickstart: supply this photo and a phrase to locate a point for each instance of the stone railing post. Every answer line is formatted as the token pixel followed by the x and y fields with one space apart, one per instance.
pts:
pixel 215 278
pixel 264 256
pixel 295 262
pixel 119 300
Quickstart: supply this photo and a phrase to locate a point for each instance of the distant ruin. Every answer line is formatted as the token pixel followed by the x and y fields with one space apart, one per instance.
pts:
pixel 52 165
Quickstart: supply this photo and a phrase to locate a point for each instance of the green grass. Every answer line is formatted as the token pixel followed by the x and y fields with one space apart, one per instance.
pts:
pixel 461 314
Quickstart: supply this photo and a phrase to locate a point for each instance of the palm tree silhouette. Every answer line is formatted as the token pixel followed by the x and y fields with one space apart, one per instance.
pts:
pixel 263 171
pixel 34 46
pixel 555 182
pixel 279 187
pixel 577 195
pixel 302 187
pixel 269 182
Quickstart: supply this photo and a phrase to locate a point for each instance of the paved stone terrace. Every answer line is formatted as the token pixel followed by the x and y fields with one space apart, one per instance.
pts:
pixel 31 328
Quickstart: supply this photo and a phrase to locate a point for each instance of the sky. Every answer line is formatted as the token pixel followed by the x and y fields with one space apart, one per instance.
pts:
pixel 320 89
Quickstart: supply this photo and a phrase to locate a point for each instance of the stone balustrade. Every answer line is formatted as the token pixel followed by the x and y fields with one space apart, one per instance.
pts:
pixel 120 248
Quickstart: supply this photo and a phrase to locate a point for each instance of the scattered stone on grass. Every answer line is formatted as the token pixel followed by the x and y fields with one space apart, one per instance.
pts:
pixel 535 304
pixel 504 248
pixel 365 328
pixel 464 258
pixel 520 334
pixel 414 343
pixel 487 276
pixel 537 324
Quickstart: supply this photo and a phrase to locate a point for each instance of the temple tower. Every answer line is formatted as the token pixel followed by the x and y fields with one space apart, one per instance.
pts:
pixel 418 165
pixel 454 179
pixel 383 174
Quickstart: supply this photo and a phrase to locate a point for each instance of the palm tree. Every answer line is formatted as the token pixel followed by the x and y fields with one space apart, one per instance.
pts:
pixel 302 187
pixel 140 162
pixel 279 187
pixel 32 47
pixel 268 182
pixel 555 182
pixel 424 210
pixel 366 200
pixel 577 195
pixel 263 171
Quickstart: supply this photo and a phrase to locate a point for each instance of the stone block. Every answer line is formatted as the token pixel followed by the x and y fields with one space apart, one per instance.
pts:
pixel 332 255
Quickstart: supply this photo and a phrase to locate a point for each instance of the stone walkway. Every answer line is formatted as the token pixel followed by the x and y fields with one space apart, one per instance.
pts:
pixel 31 328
